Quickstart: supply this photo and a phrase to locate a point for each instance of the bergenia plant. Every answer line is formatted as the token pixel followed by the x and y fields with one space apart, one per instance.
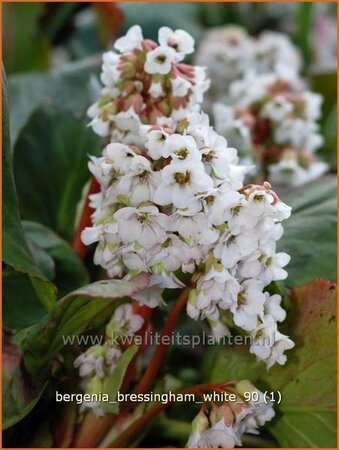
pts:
pixel 230 54
pixel 172 208
pixel 275 116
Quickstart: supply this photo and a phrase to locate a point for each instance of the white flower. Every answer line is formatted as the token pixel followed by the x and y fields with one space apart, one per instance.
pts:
pixel 98 361
pixel 260 202
pixel 267 268
pixel 171 254
pixel 110 74
pixel 140 183
pixel 180 86
pixel 88 364
pixel 272 307
pixel 233 129
pixel 281 344
pixel 219 436
pixel 249 305
pixel 144 225
pixel 217 157
pixel 187 226
pixel 256 413
pixel 277 109
pixel 181 148
pixel 312 108
pixel 155 139
pixel 150 296
pixel 131 41
pixel 127 121
pixel 269 344
pixel 156 90
pixel 178 40
pixel 160 60
pixel 232 248
pixel 217 202
pixel 124 321
pixel 181 180
pixel 288 171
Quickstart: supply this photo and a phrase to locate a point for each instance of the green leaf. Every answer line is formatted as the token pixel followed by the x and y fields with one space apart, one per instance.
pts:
pixel 25 48
pixel 50 168
pixel 310 232
pixel 306 416
pixel 69 273
pixel 325 83
pixel 113 383
pixel 308 382
pixel 236 365
pixel 67 88
pixel 84 309
pixel 304 30
pixel 21 306
pixel 19 396
pixel 15 251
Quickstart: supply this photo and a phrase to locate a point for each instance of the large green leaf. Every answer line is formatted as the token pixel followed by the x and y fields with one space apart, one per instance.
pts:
pixel 67 88
pixel 69 272
pixel 24 47
pixel 82 310
pixel 308 382
pixel 50 168
pixel 18 395
pixel 310 233
pixel 15 251
pixel 306 416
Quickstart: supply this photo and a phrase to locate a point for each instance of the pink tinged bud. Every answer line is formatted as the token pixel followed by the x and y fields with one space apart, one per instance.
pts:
pixel 244 386
pixel 149 45
pixel 135 101
pixel 185 70
pixel 127 70
pixel 179 102
pixel 200 422
pixel 164 107
pixel 127 87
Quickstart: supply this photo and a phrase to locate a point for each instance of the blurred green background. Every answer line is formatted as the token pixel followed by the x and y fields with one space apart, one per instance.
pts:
pixel 55 36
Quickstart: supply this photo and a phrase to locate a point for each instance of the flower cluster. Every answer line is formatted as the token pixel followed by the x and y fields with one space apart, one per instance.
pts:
pixel 143 81
pixel 99 361
pixel 222 426
pixel 276 120
pixel 178 205
pixel 230 54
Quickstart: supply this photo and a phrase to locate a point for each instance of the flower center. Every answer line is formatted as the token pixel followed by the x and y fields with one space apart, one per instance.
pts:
pixel 236 210
pixel 143 176
pixel 167 243
pixel 207 157
pixel 209 199
pixel 231 240
pixel 259 198
pixel 182 178
pixel 160 59
pixel 241 299
pixel 182 153
pixel 143 217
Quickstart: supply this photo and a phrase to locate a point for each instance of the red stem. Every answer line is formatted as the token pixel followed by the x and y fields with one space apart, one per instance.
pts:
pixel 85 220
pixel 152 370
